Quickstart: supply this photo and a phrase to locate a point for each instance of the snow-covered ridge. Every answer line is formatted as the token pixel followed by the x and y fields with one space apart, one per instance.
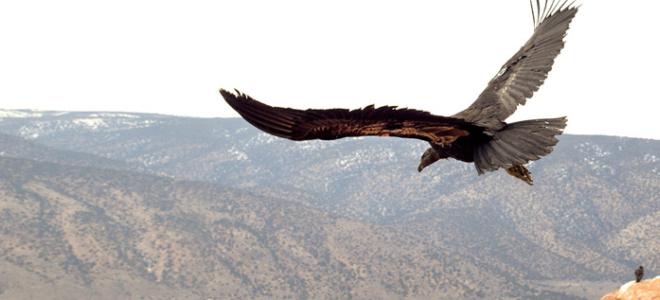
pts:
pixel 6 113
pixel 28 113
pixel 41 123
pixel 114 115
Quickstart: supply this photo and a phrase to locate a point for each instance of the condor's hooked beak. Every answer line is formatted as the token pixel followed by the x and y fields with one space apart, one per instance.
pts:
pixel 430 156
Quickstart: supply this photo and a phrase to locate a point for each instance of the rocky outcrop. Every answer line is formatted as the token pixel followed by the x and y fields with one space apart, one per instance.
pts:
pixel 644 290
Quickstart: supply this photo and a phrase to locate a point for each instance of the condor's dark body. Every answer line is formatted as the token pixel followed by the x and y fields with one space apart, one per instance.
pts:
pixel 463 148
pixel 478 134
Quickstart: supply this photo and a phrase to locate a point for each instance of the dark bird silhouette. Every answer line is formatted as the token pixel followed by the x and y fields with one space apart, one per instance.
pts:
pixel 639 274
pixel 478 134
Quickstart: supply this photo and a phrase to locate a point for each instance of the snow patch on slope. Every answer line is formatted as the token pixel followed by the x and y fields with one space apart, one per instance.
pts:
pixel 113 115
pixel 92 123
pixel 592 149
pixel 365 156
pixel 19 114
pixel 650 158
pixel 261 139
pixel 238 154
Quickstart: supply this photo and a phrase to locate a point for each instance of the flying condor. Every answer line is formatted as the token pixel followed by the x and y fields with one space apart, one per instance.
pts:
pixel 478 134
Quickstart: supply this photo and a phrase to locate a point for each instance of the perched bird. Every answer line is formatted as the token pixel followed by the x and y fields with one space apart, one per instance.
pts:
pixel 639 274
pixel 478 134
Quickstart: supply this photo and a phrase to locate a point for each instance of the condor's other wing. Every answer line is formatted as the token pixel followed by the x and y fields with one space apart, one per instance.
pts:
pixel 330 124
pixel 525 72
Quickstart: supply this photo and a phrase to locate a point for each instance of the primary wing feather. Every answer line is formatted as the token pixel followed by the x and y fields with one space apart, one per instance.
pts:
pixel 329 124
pixel 524 73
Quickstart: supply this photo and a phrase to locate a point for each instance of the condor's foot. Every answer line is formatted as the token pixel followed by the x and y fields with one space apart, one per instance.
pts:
pixel 522 173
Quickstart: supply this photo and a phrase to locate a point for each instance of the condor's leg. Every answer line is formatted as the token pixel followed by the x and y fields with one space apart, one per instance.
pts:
pixel 522 173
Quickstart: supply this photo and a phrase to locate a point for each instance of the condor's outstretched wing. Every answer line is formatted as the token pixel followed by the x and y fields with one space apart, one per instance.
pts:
pixel 525 72
pixel 330 124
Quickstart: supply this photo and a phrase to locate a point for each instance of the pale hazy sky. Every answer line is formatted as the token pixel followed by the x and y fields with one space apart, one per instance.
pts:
pixel 171 57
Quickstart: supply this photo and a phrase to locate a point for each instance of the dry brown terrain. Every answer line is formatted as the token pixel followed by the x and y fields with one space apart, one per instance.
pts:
pixel 157 206
pixel 87 232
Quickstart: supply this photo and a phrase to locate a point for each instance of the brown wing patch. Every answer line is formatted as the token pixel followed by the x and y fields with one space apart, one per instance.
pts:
pixel 434 134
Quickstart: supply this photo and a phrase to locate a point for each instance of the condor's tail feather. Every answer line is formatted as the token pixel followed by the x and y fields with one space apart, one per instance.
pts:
pixel 518 143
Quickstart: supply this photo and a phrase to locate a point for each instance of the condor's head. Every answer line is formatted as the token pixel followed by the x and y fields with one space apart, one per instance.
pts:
pixel 430 156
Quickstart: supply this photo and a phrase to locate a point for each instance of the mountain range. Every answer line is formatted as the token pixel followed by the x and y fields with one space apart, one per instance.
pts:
pixel 165 206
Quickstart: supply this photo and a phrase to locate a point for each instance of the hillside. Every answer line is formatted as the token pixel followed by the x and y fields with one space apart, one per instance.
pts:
pixel 13 146
pixel 591 216
pixel 86 232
